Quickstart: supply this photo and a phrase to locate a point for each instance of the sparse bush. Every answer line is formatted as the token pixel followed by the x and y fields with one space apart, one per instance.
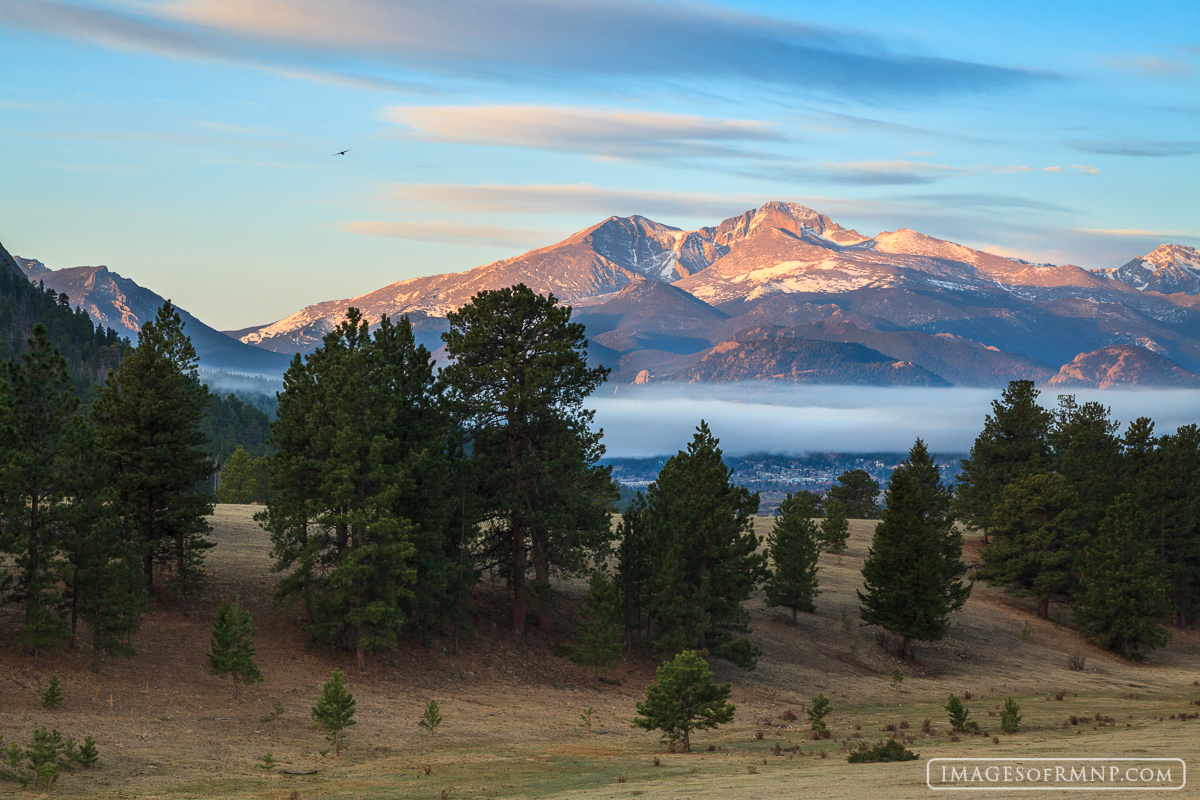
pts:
pixel 1076 661
pixel 897 678
pixel 1010 719
pixel 789 715
pixel 927 725
pixel 431 719
pixel 903 723
pixel 891 726
pixel 967 695
pixel 53 696
pixel 887 750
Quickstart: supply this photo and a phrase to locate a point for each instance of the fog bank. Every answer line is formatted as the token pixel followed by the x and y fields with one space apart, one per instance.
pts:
pixel 652 420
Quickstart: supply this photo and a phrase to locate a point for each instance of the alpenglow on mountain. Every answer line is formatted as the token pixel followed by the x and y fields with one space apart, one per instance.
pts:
pixel 728 302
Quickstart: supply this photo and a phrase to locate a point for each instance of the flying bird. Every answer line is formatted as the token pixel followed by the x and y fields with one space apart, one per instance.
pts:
pixel 341 152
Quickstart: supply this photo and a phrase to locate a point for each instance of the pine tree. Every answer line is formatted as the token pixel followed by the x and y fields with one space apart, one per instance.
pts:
pixel 1013 442
pixel 334 711
pixel 958 715
pixel 148 419
pixel 913 571
pixel 40 404
pixel 858 493
pixel 232 646
pixel 635 566
pixel 239 481
pixel 431 718
pixel 835 528
pixel 1030 548
pixel 1087 453
pixel 684 698
pixel 817 712
pixel 1010 717
pixel 598 627
pixel 793 550
pixel 53 696
pixel 1122 594
pixel 519 376
pixel 706 562
pixel 364 503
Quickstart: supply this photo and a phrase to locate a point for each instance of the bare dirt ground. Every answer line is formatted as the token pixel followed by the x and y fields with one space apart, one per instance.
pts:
pixel 168 729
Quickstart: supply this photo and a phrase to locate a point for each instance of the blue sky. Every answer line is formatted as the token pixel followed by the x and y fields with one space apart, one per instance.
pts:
pixel 188 144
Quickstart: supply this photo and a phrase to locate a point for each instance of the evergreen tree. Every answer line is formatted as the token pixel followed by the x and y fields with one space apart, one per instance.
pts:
pixel 363 504
pixel 913 571
pixel 148 419
pixel 598 627
pixel 53 696
pixel 684 698
pixel 1122 594
pixel 1010 718
pixel 1031 544
pixel 518 376
pixel 958 714
pixel 1087 453
pixel 232 646
pixel 334 711
pixel 817 712
pixel 635 565
pixel 792 548
pixel 1015 440
pixel 858 493
pixel 40 404
pixel 835 528
pixel 239 480
pixel 706 562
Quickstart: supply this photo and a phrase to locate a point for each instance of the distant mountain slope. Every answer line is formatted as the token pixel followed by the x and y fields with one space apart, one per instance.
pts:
pixel 959 361
pixel 647 314
pixel 1122 366
pixel 1168 269
pixel 114 301
pixel 805 361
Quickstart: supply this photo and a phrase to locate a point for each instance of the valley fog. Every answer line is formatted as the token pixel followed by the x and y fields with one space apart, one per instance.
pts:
pixel 642 421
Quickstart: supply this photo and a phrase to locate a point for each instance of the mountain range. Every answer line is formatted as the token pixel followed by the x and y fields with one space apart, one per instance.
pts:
pixel 779 293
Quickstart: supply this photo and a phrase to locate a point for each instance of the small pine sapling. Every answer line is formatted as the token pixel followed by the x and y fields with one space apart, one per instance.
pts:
pixel 89 755
pixel 53 696
pixel 684 698
pixel 334 711
pixel 268 761
pixel 432 717
pixel 817 712
pixel 1010 718
pixel 958 715
pixel 232 650
pixel 585 719
pixel 897 678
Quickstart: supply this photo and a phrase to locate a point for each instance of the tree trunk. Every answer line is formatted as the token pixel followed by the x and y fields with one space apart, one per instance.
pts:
pixel 906 647
pixel 793 616
pixel 687 743
pixel 541 574
pixel 95 652
pixel 1044 609
pixel 518 577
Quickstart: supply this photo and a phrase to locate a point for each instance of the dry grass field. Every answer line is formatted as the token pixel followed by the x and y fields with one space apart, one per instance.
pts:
pixel 168 729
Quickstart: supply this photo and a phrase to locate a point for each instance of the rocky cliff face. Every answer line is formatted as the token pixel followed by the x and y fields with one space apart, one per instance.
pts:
pixel 1122 366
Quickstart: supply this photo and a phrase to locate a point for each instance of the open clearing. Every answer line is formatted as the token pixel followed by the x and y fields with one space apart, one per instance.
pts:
pixel 166 728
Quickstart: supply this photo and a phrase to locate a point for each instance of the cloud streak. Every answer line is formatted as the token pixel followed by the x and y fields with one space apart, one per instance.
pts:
pixel 558 41
pixel 613 133
pixel 451 233
pixel 1136 147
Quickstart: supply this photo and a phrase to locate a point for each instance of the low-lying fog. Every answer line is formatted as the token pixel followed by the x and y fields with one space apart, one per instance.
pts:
pixel 642 421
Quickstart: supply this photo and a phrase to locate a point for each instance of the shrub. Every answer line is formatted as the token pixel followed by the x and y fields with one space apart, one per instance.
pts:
pixel 927 725
pixel 1076 661
pixel 887 750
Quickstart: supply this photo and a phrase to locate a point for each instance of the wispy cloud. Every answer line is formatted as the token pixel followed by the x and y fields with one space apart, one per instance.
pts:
pixel 576 198
pixel 558 41
pixel 1156 67
pixel 613 133
pixel 1136 147
pixel 451 233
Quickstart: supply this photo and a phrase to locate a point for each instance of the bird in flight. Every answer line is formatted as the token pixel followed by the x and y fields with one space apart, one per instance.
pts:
pixel 341 152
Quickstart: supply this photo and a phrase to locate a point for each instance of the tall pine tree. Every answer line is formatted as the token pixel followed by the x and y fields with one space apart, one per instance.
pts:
pixel 793 549
pixel 706 562
pixel 913 571
pixel 518 377
pixel 1015 440
pixel 858 493
pixel 41 403
pixel 634 566
pixel 148 419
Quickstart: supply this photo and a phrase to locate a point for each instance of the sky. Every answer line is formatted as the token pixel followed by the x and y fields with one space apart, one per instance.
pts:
pixel 189 144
